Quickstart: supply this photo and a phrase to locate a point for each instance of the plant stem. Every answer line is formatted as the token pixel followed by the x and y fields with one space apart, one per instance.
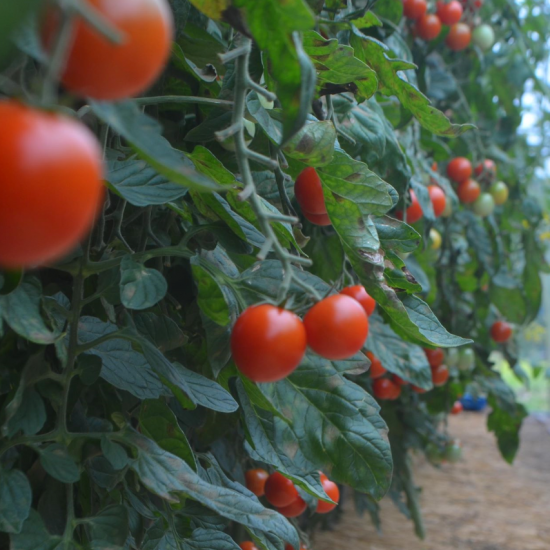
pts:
pixel 183 99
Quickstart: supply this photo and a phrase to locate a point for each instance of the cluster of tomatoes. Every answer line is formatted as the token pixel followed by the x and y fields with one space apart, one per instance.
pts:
pixel 269 342
pixel 428 25
pixel 52 165
pixel 283 494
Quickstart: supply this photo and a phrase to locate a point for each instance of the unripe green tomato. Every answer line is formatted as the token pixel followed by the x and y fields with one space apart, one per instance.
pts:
pixel 448 209
pixel 266 103
pixel 499 192
pixel 466 359
pixel 483 37
pixel 484 205
pixel 435 239
pixel 451 357
pixel 453 452
pixel 249 133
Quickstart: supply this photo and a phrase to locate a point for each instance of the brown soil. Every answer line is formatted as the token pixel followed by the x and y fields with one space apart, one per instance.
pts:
pixel 481 503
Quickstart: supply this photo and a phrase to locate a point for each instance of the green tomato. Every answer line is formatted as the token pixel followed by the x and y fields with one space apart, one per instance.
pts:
pixel 453 452
pixel 435 239
pixel 451 357
pixel 483 37
pixel 466 359
pixel 266 103
pixel 249 133
pixel 484 205
pixel 499 192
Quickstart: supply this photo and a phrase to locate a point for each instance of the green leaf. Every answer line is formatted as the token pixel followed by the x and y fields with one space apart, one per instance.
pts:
pixel 15 500
pixel 313 144
pixel 206 163
pixel 110 527
pixel 12 16
pixel 56 460
pixel 143 133
pixel 158 537
pixel 160 424
pixel 140 184
pixel 508 297
pixel 34 536
pixel 162 330
pixel 140 287
pixel 212 8
pixel 208 539
pixel 273 128
pixel 336 64
pixel 327 255
pixel 396 235
pixel 30 416
pixel 114 453
pixel 211 298
pixel 375 54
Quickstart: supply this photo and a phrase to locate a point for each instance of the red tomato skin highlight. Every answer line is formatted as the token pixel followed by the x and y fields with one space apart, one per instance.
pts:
pixel 440 375
pixel 435 356
pixel 376 368
pixel 457 408
pixel 449 13
pixel 459 37
pixel 459 169
pixel 501 331
pixel 255 481
pixel 280 491
pixel 248 545
pixel 413 9
pixel 414 211
pixel 317 219
pixel 268 343
pixel 332 491
pixel 295 509
pixel 428 27
pixel 468 191
pixel 308 191
pixel 384 388
pixel 438 198
pixel 359 293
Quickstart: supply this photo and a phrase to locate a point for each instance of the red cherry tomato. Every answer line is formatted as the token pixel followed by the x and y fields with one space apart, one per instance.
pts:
pixel 376 368
pixel 418 389
pixel 435 356
pixel 459 37
pixel 468 191
pixel 248 545
pixel 449 13
pixel 50 184
pixel 501 331
pixel 359 293
pixel 98 68
pixel 398 380
pixel 413 9
pixel 440 375
pixel 336 327
pixel 290 547
pixel 332 491
pixel 384 388
pixel 317 219
pixel 308 191
pixel 438 198
pixel 486 170
pixel 457 408
pixel 295 509
pixel 414 211
pixel 280 491
pixel 255 481
pixel 267 343
pixel 428 27
pixel 459 169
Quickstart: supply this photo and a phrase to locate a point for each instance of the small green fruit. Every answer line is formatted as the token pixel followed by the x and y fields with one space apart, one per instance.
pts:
pixel 483 37
pixel 484 205
pixel 499 192
pixel 466 359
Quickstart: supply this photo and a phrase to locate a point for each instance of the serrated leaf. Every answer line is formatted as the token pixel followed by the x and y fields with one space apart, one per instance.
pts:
pixel 15 500
pixel 140 287
pixel 211 298
pixel 56 460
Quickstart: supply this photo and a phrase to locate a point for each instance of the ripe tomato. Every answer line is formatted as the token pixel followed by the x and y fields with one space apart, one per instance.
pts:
pixel 483 37
pixel 438 198
pixel 428 27
pixel 248 545
pixel 317 219
pixel 457 408
pixel 98 68
pixel 486 170
pixel 308 191
pixel 413 9
pixel 280 491
pixel 376 368
pixel 459 169
pixel 484 205
pixel 398 380
pixel 501 331
pixel 449 13
pixel 359 293
pixel 459 37
pixel 384 388
pixel 468 191
pixel 435 356
pixel 336 327
pixel 295 509
pixel 440 375
pixel 414 211
pixel 267 343
pixel 332 491
pixel 50 182
pixel 255 481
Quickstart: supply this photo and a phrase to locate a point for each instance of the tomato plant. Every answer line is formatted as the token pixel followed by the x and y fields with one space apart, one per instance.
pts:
pixel 486 170
pixel 435 356
pixel 449 12
pixel 428 26
pixel 280 491
pixel 414 211
pixel 483 37
pixel 440 375
pixel 484 205
pixel 294 509
pixel 459 37
pixel 376 368
pixel 358 292
pixel 414 9
pixel 309 192
pixel 499 191
pixel 332 491
pixel 255 481
pixel 468 191
pixel 437 196
pixel 501 331
pixel 459 169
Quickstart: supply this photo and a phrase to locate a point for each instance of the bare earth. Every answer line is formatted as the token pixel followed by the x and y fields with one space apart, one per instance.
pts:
pixel 481 503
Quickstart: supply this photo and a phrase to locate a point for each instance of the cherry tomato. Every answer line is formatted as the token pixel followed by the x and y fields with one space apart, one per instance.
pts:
pixel 255 481
pixel 435 356
pixel 484 205
pixel 438 198
pixel 459 169
pixel 459 37
pixel 440 375
pixel 317 219
pixel 413 9
pixel 417 389
pixel 336 327
pixel 486 170
pixel 501 331
pixel 414 211
pixel 376 368
pixel 295 509
pixel 435 238
pixel 466 359
pixel 267 343
pixel 428 27
pixel 359 293
pixel 248 545
pixel 449 13
pixel 384 388
pixel 308 191
pixel 457 408
pixel 98 68
pixel 453 452
pixel 290 547
pixel 332 491
pixel 483 37
pixel 50 184
pixel 468 191
pixel 398 380
pixel 499 191
pixel 280 491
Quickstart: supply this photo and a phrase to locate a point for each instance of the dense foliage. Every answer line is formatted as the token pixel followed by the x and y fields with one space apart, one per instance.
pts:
pixel 125 422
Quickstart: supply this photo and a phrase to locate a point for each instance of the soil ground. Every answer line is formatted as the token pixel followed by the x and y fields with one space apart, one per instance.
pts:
pixel 481 503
